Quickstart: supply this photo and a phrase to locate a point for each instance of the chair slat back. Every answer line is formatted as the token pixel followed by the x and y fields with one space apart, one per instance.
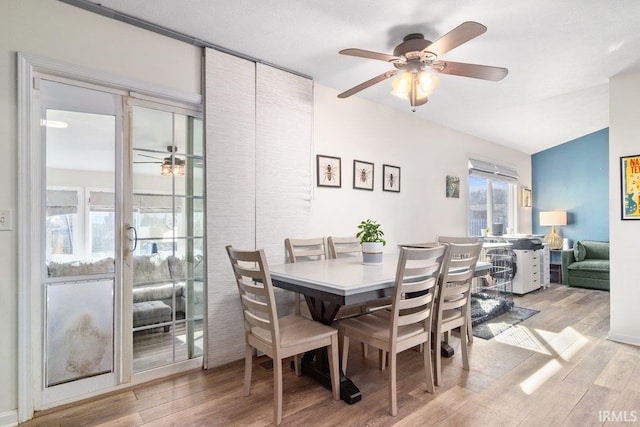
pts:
pixel 343 246
pixel 305 249
pixel 456 279
pixel 415 285
pixel 251 271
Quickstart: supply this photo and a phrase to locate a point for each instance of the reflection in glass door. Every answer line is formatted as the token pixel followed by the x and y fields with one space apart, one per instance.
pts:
pixel 168 226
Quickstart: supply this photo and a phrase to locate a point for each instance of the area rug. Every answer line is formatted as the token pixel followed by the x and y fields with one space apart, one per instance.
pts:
pixel 485 306
pixel 495 326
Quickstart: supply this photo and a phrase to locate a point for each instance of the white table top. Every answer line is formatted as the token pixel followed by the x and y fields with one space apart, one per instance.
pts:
pixel 342 276
pixel 347 278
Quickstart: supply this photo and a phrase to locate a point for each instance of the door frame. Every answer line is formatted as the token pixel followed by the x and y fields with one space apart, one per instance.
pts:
pixel 30 187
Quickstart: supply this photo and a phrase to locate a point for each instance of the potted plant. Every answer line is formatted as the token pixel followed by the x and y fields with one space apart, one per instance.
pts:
pixel 371 240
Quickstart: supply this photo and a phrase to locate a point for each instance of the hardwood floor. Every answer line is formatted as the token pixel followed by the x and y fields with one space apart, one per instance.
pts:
pixel 555 368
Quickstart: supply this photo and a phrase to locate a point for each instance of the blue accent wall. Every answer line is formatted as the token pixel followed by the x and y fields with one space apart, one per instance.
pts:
pixel 574 177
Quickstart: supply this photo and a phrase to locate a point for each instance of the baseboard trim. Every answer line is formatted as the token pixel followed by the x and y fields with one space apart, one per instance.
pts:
pixel 9 418
pixel 624 338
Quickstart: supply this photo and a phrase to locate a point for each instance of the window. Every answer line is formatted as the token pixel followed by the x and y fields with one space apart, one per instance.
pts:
pixel 65 224
pixel 62 224
pixel 102 220
pixel 492 197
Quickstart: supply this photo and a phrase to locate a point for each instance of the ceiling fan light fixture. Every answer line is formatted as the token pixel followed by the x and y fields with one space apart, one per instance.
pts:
pixel 417 60
pixel 415 87
pixel 428 82
pixel 172 166
pixel 401 86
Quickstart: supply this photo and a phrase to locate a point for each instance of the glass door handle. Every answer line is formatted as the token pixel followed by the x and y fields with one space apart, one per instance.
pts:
pixel 134 240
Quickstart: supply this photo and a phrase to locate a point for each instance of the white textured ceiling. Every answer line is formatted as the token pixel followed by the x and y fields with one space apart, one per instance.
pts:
pixel 560 54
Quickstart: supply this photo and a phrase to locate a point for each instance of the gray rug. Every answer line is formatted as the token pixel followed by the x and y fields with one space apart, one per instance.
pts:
pixel 497 325
pixel 485 307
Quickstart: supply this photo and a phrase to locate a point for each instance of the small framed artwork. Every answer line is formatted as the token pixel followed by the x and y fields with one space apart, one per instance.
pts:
pixel 453 187
pixel 525 197
pixel 630 187
pixel 328 171
pixel 391 178
pixel 362 175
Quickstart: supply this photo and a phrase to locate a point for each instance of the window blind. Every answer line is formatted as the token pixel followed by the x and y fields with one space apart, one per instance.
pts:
pixel 492 171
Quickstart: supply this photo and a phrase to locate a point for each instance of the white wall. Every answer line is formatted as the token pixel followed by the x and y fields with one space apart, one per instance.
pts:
pixel 624 128
pixel 55 30
pixel 354 128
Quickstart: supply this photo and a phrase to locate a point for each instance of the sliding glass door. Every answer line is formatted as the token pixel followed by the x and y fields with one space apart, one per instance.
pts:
pixel 121 241
pixel 167 222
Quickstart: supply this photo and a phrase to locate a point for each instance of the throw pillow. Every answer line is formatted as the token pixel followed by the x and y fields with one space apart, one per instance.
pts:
pixel 579 251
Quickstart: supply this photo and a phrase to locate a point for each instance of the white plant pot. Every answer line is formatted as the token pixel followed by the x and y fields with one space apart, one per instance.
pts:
pixel 372 253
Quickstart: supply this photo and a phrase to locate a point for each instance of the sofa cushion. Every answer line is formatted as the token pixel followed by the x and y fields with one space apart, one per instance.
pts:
pixel 157 292
pixel 600 265
pixel 579 251
pixel 596 250
pixel 150 312
pixel 150 268
pixel 81 267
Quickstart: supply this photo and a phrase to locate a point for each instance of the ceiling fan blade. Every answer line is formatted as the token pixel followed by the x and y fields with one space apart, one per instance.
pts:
pixel 155 163
pixel 484 72
pixel 151 157
pixel 368 83
pixel 369 55
pixel 454 38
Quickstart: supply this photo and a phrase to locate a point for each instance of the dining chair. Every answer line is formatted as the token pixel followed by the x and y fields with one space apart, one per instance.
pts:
pixel 304 250
pixel 453 301
pixel 340 247
pixel 343 246
pixel 408 322
pixel 463 240
pixel 278 338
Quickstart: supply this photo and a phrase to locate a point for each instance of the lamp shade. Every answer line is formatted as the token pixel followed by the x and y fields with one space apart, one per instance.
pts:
pixel 553 218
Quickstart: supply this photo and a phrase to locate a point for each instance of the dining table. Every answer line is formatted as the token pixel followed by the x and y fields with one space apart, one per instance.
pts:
pixel 330 284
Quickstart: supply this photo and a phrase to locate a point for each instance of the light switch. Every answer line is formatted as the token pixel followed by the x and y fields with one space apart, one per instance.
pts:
pixel 5 219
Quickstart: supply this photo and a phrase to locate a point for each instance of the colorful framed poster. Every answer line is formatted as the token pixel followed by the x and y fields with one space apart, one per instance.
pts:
pixel 362 175
pixel 630 187
pixel 328 171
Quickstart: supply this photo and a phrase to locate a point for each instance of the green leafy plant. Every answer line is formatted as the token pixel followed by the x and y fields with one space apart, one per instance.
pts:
pixel 370 232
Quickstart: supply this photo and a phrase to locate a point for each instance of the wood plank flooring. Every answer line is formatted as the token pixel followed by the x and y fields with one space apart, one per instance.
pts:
pixel 555 368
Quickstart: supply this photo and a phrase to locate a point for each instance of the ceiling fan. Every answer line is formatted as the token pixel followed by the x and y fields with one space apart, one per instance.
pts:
pixel 170 165
pixel 418 61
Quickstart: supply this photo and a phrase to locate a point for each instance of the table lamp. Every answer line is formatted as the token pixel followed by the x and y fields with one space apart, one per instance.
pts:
pixel 553 219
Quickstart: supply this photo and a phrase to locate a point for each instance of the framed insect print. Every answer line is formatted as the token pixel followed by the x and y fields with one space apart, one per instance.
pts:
pixel 362 175
pixel 391 178
pixel 328 171
pixel 630 187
